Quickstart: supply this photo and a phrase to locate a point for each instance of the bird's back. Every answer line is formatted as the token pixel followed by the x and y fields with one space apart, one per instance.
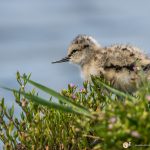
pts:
pixel 123 66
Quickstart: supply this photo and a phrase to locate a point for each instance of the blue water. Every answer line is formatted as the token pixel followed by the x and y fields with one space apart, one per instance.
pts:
pixel 34 33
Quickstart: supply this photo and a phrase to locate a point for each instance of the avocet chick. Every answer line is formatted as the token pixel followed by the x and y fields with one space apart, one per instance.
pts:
pixel 119 64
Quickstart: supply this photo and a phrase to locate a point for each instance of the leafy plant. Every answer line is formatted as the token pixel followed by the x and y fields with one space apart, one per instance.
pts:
pixel 96 116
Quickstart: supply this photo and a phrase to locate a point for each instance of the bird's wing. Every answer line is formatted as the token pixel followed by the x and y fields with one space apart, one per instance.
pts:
pixel 124 56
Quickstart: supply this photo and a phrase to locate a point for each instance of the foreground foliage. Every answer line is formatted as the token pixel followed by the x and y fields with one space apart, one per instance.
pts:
pixel 93 117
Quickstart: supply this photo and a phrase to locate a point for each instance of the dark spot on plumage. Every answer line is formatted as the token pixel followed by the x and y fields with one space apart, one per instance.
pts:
pixel 129 67
pixel 95 58
pixel 132 54
pixel 146 68
pixel 132 79
pixel 86 46
pixel 124 49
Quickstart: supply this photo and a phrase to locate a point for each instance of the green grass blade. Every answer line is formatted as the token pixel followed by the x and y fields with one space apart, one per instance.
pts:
pixel 58 95
pixel 44 102
pixel 115 91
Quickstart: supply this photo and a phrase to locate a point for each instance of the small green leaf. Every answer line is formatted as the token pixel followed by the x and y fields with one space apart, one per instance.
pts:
pixel 11 127
pixel 49 104
pixel 57 95
pixel 2 103
pixel 97 82
pixel 15 134
pixel 11 111
pixel 22 117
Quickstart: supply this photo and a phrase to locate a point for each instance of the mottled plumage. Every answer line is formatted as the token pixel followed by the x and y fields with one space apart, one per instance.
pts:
pixel 122 65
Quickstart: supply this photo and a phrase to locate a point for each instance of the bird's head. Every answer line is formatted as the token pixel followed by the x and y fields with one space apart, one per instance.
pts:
pixel 80 49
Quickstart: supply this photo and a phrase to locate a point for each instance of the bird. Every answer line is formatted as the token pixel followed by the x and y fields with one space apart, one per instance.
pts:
pixel 122 65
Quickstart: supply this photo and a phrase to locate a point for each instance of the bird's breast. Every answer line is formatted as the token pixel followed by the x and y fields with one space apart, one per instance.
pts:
pixel 89 70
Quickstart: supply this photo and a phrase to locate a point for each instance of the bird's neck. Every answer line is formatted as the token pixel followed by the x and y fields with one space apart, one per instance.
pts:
pixel 90 56
pixel 87 60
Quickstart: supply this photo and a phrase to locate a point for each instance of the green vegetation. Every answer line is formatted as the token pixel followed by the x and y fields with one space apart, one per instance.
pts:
pixel 94 117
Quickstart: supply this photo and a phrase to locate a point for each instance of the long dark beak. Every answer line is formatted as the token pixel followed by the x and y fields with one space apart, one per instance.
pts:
pixel 62 60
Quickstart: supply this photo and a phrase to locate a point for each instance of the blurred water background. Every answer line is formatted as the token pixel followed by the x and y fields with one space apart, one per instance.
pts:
pixel 34 33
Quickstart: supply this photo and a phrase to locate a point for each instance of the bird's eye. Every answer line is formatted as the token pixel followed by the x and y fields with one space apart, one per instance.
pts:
pixel 75 50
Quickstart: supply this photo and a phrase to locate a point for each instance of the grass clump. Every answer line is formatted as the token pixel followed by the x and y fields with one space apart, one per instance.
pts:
pixel 93 117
